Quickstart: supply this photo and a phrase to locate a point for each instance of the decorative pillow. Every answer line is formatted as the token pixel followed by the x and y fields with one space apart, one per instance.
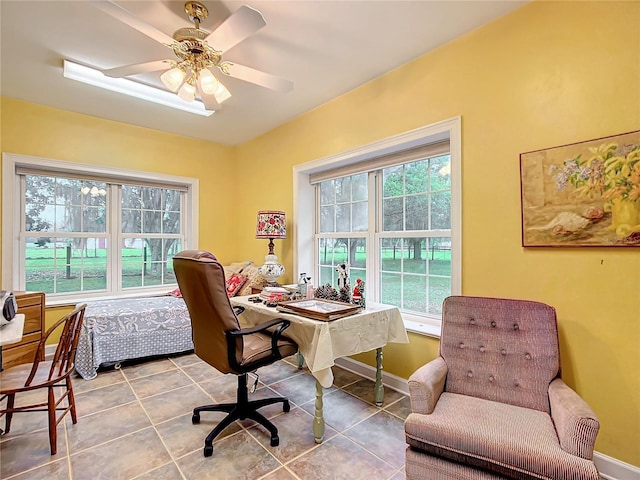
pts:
pixel 175 293
pixel 235 283
pixel 254 279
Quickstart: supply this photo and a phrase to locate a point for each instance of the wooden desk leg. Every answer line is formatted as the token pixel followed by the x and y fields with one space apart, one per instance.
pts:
pixel 378 390
pixel 318 418
pixel 300 360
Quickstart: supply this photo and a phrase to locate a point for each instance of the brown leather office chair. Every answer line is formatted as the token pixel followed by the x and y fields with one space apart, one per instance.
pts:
pixel 219 340
pixel 49 374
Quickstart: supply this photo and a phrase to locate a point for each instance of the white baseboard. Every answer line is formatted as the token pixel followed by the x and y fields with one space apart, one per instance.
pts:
pixel 613 469
pixel 49 351
pixel 609 467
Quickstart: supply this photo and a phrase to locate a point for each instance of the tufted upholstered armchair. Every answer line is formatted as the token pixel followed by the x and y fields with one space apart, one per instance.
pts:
pixel 492 405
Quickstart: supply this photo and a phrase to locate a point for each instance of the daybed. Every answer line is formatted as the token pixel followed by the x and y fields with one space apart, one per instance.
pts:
pixel 129 328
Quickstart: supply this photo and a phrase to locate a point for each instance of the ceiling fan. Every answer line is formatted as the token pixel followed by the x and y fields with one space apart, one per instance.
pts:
pixel 197 51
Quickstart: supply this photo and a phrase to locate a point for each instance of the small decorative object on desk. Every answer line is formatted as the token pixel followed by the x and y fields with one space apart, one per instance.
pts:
pixel 303 284
pixel 358 293
pixel 327 292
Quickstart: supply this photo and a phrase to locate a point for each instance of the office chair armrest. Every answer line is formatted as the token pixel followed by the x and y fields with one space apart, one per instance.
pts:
pixel 275 336
pixel 426 384
pixel 260 328
pixel 576 423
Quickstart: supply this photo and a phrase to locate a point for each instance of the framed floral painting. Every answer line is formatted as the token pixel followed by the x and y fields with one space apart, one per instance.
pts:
pixel 582 194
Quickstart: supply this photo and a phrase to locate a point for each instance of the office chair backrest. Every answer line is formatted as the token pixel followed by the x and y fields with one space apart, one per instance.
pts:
pixel 202 284
pixel 500 349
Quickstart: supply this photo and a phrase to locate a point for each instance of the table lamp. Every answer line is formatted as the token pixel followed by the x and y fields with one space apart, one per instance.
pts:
pixel 271 224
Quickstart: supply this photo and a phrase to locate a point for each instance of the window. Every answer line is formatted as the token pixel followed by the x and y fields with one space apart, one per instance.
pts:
pixel 83 235
pixel 392 210
pixel 410 238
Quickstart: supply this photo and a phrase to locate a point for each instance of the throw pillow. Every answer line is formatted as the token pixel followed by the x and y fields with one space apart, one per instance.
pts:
pixel 175 293
pixel 254 279
pixel 235 283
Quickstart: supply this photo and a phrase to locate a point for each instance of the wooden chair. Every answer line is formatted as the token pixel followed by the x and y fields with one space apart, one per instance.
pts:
pixel 49 374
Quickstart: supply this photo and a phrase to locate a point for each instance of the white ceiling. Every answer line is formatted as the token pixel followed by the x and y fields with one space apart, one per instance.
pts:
pixel 325 47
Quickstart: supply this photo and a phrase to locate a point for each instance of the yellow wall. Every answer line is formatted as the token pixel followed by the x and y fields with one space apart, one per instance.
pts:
pixel 31 129
pixel 548 74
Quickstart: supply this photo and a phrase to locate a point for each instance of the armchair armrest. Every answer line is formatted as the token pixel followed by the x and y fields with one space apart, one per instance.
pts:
pixel 426 384
pixel 575 421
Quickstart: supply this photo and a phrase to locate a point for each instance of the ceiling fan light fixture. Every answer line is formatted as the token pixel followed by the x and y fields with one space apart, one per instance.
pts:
pixel 96 78
pixel 208 82
pixel 187 92
pixel 173 78
pixel 221 93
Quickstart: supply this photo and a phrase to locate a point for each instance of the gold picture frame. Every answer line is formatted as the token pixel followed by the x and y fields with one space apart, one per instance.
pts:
pixel 319 309
pixel 582 194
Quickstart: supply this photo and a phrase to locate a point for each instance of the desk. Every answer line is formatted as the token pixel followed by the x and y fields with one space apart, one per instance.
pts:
pixel 11 332
pixel 322 342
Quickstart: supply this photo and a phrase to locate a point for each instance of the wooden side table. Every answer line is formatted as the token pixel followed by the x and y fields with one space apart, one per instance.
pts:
pixel 31 305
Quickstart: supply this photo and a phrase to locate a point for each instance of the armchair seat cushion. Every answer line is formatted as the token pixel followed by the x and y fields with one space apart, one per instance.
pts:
pixel 500 438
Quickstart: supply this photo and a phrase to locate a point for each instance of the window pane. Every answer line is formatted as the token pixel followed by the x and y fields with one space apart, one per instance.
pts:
pixel 441 210
pixel 94 219
pixel 131 221
pixel 335 251
pixel 343 218
pixel 414 293
pixel 327 193
pixel 148 262
pixel 415 261
pixel 391 254
pixel 392 214
pixel 171 222
pixel 390 289
pixel 440 173
pixel 343 189
pixel 359 188
pixel 360 217
pixel 416 177
pixel 327 218
pixel 392 181
pixel 417 213
pixel 152 222
pixel 56 265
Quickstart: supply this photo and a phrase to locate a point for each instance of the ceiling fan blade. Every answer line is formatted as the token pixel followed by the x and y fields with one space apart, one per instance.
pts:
pixel 263 79
pixel 125 16
pixel 210 102
pixel 241 24
pixel 137 68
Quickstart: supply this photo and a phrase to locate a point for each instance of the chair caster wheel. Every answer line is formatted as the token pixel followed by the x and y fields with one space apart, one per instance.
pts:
pixel 195 419
pixel 275 441
pixel 208 450
pixel 286 407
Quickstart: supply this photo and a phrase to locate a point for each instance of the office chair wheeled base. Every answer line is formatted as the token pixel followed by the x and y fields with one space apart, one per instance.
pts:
pixel 240 410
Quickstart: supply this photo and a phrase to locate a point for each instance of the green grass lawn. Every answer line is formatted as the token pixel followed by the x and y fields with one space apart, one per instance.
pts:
pixel 87 270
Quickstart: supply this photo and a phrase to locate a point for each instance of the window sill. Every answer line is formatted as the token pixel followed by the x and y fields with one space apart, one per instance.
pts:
pixel 72 301
pixel 422 326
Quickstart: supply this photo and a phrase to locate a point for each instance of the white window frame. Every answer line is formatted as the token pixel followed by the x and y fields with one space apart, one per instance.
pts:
pixel 12 263
pixel 304 202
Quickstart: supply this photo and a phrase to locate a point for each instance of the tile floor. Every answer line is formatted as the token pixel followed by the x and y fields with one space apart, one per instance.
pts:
pixel 135 423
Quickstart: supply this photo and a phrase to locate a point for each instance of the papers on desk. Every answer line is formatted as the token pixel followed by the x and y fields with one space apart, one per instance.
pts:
pixel 319 309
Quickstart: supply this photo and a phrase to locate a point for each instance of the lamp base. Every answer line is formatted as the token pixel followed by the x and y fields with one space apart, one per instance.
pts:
pixel 271 269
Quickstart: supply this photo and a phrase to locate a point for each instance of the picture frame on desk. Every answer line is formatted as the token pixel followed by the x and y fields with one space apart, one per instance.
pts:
pixel 319 309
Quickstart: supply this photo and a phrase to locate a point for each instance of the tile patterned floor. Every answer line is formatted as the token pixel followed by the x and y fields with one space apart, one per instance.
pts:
pixel 135 423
